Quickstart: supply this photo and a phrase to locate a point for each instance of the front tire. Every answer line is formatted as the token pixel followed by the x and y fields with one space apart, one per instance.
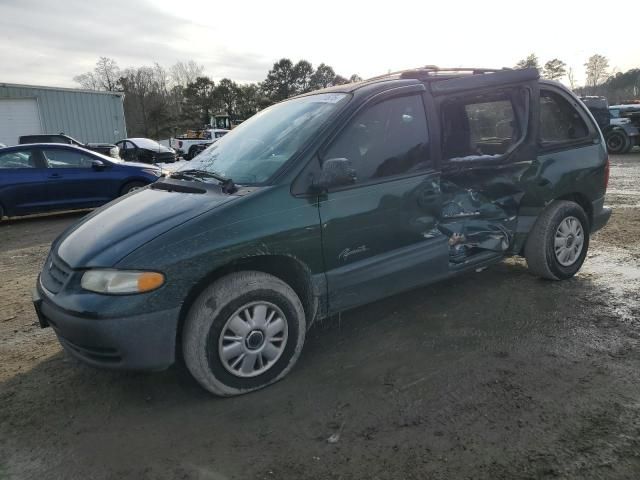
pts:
pixel 558 242
pixel 131 187
pixel 243 332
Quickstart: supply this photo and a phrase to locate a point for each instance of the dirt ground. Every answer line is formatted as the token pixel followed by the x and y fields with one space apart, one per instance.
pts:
pixel 493 375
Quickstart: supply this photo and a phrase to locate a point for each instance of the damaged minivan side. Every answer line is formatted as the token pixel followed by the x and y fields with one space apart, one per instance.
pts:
pixel 322 203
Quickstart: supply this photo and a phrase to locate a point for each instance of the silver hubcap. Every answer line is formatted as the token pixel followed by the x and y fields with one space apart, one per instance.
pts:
pixel 253 339
pixel 569 241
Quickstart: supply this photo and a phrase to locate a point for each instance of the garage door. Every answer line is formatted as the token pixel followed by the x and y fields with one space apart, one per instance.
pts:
pixel 18 116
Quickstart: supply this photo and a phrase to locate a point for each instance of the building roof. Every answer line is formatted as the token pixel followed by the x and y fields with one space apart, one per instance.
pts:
pixel 66 89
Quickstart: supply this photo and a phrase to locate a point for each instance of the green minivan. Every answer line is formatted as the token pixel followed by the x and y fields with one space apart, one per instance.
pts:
pixel 321 203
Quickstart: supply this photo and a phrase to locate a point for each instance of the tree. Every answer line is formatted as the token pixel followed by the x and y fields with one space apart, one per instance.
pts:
pixel 572 79
pixel 226 96
pixel 622 86
pixel 146 103
pixel 596 66
pixel 250 100
pixel 530 62
pixel 554 69
pixel 159 102
pixel 281 81
pixel 198 102
pixel 87 81
pixel 184 73
pixel 107 73
pixel 323 77
pixel 302 72
pixel 355 78
pixel 104 76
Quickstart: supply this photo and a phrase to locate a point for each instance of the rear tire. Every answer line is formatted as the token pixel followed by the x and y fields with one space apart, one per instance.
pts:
pixel 131 187
pixel 243 332
pixel 558 242
pixel 618 142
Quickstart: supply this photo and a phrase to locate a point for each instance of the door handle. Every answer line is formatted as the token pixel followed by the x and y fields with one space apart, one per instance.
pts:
pixel 55 175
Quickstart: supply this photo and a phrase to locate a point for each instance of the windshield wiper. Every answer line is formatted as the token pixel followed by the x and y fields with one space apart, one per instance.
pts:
pixel 196 174
pixel 184 176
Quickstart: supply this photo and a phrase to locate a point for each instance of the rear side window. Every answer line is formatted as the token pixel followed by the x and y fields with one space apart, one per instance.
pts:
pixel 66 159
pixel 20 159
pixel 483 126
pixel 559 120
pixel 386 139
pixel 490 122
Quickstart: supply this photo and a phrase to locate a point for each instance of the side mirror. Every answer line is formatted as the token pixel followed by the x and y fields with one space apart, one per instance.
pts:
pixel 97 164
pixel 335 172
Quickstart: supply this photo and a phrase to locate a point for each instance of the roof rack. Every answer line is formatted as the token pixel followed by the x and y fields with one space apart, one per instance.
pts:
pixel 432 71
pixel 435 72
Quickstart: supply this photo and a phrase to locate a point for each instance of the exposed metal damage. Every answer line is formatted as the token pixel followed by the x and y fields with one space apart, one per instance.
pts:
pixel 475 222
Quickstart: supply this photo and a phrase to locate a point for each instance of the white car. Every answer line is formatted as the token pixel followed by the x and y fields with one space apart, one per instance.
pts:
pixel 185 144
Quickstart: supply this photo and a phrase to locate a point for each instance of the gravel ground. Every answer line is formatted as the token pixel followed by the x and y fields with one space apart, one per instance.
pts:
pixel 493 375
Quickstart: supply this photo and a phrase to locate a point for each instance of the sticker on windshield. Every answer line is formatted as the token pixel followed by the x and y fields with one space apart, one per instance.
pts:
pixel 327 97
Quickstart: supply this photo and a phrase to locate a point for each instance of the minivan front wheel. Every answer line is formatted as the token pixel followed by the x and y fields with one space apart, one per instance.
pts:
pixel 557 245
pixel 243 332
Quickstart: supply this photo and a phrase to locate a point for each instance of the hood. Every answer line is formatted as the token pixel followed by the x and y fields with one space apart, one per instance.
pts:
pixel 164 149
pixel 139 165
pixel 117 229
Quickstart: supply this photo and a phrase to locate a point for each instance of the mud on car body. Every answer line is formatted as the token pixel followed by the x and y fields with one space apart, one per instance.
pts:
pixel 322 203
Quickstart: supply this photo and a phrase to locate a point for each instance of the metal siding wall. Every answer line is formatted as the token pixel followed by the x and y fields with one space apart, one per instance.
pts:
pixel 87 116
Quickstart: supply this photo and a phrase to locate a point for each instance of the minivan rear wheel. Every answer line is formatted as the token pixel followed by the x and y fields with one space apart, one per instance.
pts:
pixel 243 332
pixel 558 243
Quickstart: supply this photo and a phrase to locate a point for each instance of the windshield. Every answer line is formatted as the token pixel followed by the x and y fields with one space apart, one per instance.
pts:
pixel 255 150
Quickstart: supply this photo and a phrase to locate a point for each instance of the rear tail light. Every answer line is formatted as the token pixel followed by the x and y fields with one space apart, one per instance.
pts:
pixel 606 173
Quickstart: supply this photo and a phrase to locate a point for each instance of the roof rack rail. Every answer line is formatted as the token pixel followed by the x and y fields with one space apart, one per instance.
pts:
pixel 433 71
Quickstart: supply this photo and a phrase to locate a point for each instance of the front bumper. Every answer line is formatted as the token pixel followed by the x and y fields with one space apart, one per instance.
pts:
pixel 140 342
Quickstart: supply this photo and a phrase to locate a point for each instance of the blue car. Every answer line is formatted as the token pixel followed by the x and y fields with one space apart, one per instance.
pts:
pixel 44 177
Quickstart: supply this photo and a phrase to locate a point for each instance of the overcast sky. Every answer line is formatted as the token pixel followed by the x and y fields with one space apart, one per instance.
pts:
pixel 47 42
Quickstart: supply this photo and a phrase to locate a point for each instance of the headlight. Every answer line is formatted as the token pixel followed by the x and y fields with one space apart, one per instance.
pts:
pixel 121 281
pixel 153 171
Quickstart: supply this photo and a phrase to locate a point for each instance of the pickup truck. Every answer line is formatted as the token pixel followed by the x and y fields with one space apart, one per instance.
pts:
pixel 107 149
pixel 620 124
pixel 185 144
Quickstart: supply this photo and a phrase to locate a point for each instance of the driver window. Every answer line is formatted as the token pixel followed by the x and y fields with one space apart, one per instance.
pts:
pixel 386 139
